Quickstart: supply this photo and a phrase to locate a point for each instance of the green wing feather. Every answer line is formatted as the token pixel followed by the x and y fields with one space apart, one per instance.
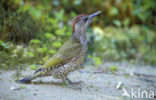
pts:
pixel 68 51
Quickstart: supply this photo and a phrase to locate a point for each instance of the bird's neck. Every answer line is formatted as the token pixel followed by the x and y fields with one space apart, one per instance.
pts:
pixel 81 37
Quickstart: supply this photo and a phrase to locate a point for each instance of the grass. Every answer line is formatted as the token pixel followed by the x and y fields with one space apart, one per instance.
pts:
pixel 110 44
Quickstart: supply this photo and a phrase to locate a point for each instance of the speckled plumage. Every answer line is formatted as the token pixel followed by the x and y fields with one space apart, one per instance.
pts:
pixel 70 56
pixel 66 60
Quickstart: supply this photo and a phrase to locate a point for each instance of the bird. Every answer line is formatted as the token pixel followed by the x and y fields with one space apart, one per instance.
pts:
pixel 70 56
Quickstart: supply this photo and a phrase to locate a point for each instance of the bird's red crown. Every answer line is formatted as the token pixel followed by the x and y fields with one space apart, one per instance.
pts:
pixel 75 20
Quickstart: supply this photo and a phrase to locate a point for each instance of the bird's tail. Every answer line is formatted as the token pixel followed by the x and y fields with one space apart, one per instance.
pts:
pixel 27 79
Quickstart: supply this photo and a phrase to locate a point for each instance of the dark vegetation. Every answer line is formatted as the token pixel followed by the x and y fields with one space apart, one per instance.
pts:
pixel 32 31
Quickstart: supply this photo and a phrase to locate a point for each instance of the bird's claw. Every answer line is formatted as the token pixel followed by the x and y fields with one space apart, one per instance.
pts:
pixel 77 83
pixel 75 87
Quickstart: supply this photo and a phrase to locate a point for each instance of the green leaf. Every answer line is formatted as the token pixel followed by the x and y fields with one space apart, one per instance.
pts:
pixel 45 58
pixel 5 45
pixel 126 76
pixel 113 11
pixel 97 61
pixel 49 35
pixel 126 22
pixel 35 41
pixel 51 51
pixel 56 44
pixel 1 42
pixel 59 15
pixel 30 54
pixel 60 32
pixel 77 2
pixel 4 66
pixel 42 50
pixel 33 67
pixel 117 23
pixel 34 12
pixel 113 68
pixel 89 56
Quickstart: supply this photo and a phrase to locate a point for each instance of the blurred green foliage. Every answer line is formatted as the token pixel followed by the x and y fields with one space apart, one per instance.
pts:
pixel 33 67
pixel 113 68
pixel 31 31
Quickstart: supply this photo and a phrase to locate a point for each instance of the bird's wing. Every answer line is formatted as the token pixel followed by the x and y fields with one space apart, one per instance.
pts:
pixel 68 51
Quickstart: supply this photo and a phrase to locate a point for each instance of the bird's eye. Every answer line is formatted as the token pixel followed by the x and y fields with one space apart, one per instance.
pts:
pixel 85 19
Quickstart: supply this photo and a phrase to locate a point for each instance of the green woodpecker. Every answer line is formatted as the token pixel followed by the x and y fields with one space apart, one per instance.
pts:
pixel 70 56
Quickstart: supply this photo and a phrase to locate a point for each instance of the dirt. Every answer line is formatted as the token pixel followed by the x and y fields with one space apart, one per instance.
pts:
pixel 100 83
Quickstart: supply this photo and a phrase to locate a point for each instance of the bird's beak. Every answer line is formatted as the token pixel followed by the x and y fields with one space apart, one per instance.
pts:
pixel 90 17
pixel 94 14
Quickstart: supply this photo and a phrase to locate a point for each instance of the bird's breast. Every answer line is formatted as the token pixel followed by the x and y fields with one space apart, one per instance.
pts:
pixel 72 65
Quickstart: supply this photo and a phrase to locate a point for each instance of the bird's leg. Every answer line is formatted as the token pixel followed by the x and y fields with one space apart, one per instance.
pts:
pixel 67 82
pixel 79 67
pixel 75 83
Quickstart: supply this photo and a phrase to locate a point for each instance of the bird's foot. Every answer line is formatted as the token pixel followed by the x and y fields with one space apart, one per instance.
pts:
pixel 74 85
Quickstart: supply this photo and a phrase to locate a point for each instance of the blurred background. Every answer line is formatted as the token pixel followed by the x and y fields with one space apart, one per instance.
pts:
pixel 31 31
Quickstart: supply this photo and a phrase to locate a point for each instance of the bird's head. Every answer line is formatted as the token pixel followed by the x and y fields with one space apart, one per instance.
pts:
pixel 81 22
